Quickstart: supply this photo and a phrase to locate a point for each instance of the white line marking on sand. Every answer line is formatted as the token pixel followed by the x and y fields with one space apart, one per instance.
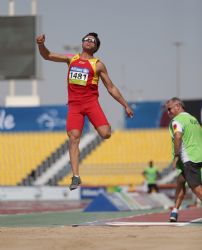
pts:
pixel 196 220
pixel 179 224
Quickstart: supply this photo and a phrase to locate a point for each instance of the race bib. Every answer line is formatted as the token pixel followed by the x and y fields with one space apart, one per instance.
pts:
pixel 78 76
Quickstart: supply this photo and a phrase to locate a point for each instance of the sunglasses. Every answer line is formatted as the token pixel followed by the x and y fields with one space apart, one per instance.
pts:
pixel 169 109
pixel 90 40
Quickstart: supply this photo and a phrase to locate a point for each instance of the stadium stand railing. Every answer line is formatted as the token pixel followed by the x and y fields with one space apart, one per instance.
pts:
pixel 45 165
pixel 65 171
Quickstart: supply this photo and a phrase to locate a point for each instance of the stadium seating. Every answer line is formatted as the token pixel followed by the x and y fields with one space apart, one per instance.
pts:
pixel 121 159
pixel 20 153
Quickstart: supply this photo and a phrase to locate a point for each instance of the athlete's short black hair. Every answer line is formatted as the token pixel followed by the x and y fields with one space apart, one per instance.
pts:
pixel 95 35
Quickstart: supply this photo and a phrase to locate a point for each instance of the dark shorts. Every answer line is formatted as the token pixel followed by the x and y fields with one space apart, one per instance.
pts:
pixel 152 187
pixel 192 173
pixel 77 113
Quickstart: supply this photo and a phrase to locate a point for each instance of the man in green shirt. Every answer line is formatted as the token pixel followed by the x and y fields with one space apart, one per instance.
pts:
pixel 151 174
pixel 186 134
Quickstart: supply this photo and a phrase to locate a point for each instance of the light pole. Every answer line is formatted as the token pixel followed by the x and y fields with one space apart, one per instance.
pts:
pixel 178 45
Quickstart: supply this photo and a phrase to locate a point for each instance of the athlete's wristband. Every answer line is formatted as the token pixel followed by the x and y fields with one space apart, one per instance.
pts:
pixel 177 155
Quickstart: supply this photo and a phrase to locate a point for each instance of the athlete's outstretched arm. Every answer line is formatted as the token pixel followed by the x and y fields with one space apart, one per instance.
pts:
pixel 47 55
pixel 112 89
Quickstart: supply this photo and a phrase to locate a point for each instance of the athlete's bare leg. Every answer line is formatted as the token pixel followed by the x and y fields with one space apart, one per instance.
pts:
pixel 104 131
pixel 179 197
pixel 180 191
pixel 74 139
pixel 198 191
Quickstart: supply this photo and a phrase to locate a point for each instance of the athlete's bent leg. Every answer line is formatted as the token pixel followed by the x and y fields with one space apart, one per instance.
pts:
pixel 98 119
pixel 197 191
pixel 104 131
pixel 180 191
pixel 74 139
pixel 179 197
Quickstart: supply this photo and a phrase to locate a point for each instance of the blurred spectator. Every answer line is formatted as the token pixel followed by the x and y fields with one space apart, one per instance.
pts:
pixel 151 175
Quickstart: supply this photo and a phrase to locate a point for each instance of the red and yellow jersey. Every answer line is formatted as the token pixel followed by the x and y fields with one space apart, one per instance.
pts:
pixel 82 80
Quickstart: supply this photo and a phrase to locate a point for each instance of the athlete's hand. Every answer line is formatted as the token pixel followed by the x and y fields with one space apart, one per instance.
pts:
pixel 40 39
pixel 129 112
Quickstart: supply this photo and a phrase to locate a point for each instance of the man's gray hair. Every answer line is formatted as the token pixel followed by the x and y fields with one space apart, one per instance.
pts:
pixel 178 101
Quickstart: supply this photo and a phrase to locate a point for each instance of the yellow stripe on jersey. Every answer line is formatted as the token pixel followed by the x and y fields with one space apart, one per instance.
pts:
pixel 93 62
pixel 74 58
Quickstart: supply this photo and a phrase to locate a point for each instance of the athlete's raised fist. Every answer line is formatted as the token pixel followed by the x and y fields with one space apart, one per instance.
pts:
pixel 40 39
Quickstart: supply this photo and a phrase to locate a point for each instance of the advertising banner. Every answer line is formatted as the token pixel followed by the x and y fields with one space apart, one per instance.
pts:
pixel 43 118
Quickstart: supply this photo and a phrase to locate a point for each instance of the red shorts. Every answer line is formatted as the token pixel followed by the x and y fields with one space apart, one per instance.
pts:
pixel 77 112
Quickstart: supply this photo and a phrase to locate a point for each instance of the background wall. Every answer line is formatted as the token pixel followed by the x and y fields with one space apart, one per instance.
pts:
pixel 138 45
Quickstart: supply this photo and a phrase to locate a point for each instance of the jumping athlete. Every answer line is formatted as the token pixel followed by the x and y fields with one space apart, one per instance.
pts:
pixel 83 76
